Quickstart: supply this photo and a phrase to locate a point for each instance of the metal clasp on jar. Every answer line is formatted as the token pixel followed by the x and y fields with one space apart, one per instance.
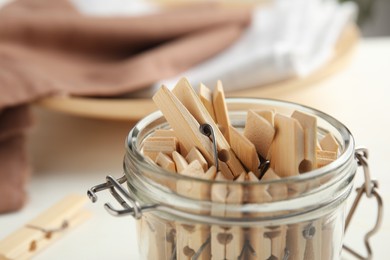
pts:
pixel 114 185
pixel 369 188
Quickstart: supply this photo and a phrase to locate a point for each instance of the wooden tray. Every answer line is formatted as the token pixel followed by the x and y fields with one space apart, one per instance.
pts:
pixel 135 109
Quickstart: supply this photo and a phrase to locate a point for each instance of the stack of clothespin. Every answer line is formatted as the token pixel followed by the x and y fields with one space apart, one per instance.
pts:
pixel 288 143
pixel 203 144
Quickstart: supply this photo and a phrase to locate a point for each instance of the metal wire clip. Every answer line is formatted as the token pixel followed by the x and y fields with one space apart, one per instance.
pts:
pixel 369 188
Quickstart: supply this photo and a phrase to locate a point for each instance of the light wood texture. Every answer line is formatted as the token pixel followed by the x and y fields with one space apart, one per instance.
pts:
pixel 277 191
pixel 180 161
pixel 164 133
pixel 277 236
pixel 295 242
pixel 40 232
pixel 210 173
pixel 235 196
pixel 224 169
pixel 327 239
pixel 221 110
pixel 267 242
pixel 188 97
pixel 309 125
pixel 206 96
pixel 152 146
pixel 154 234
pixel 287 154
pixel 190 238
pixel 155 231
pixel 260 132
pixel 313 249
pixel 226 242
pixel 260 244
pixel 267 115
pixel 318 146
pixel 245 150
pixel 219 192
pixel 329 143
pixel 136 108
pixel 183 123
pixel 193 155
pixel 257 194
pixel 288 146
pixel 325 157
pixel 323 161
pixel 167 133
pixel 165 162
pixel 194 169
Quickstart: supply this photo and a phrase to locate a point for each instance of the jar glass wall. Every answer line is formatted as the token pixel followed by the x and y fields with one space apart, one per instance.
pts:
pixel 299 217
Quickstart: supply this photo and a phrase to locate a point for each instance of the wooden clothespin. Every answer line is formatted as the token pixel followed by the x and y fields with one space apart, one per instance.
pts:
pixel 235 196
pixel 277 191
pixel 328 150
pixel 164 133
pixel 325 157
pixel 154 145
pixel 309 126
pixel 226 243
pixel 192 239
pixel 193 155
pixel 188 97
pixel 245 150
pixel 329 143
pixel 260 132
pixel 180 161
pixel 183 123
pixel 288 146
pixel 40 232
pixel 167 133
pixel 165 162
pixel 259 243
pixel 267 114
pixel 220 109
pixel 185 112
pixel 206 96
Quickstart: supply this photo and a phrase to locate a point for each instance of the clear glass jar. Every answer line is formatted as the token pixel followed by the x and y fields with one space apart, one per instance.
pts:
pixel 237 220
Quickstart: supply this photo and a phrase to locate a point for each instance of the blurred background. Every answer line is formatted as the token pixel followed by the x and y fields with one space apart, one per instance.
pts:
pixel 74 143
pixel 374 19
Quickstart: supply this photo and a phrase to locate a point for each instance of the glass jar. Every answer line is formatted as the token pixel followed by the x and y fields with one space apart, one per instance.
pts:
pixel 180 217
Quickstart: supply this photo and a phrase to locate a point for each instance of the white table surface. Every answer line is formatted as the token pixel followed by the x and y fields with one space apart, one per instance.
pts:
pixel 71 154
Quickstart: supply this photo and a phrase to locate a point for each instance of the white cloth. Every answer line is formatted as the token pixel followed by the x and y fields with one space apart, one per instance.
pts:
pixel 286 38
pixel 114 7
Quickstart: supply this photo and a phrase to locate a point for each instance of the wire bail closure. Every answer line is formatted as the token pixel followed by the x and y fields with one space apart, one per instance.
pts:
pixel 114 185
pixel 369 188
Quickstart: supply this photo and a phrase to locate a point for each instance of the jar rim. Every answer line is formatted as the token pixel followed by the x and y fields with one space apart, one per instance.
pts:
pixel 133 149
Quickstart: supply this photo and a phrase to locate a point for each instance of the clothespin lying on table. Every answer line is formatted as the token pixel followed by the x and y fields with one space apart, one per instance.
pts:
pixel 50 225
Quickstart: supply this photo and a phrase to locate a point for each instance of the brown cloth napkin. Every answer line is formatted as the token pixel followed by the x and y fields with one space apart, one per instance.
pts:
pixel 47 47
pixel 14 167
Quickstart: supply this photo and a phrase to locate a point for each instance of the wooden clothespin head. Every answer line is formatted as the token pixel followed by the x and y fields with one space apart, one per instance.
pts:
pixel 40 232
